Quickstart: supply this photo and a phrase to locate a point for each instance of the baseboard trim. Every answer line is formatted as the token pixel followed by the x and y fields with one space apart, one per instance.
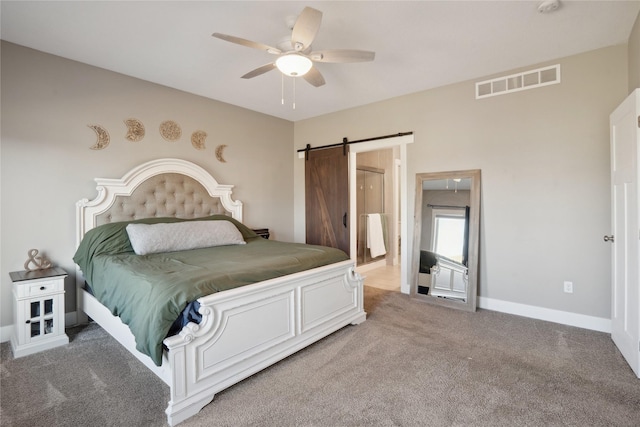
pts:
pixel 70 319
pixel 5 333
pixel 599 324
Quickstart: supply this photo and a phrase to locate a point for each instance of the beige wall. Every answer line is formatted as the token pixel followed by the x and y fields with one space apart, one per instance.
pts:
pixel 46 165
pixel 634 56
pixel 544 156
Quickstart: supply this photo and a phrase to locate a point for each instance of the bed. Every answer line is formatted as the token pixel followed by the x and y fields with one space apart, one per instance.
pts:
pixel 448 278
pixel 241 330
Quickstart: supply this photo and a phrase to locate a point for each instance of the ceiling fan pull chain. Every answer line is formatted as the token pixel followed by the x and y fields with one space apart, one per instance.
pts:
pixel 294 93
pixel 282 87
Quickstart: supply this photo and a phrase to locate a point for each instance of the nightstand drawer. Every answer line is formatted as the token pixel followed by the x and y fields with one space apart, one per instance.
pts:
pixel 39 288
pixel 43 288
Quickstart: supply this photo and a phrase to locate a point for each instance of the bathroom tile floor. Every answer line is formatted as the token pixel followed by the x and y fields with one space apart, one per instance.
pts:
pixel 386 277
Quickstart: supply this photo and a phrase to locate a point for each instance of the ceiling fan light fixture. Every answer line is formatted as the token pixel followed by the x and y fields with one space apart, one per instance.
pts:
pixel 294 65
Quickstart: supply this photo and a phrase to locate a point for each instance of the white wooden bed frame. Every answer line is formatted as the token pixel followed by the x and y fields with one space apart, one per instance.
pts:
pixel 449 279
pixel 243 330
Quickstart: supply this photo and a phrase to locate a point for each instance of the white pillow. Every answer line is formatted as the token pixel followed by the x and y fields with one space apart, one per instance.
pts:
pixel 180 236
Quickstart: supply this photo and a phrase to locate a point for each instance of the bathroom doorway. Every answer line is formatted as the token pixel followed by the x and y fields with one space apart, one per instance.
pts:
pixel 372 218
pixel 377 235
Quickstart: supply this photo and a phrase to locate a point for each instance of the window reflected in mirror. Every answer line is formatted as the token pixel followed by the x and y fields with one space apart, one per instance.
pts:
pixel 448 235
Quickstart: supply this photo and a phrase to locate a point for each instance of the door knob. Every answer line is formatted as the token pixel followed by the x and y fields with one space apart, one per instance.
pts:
pixel 608 239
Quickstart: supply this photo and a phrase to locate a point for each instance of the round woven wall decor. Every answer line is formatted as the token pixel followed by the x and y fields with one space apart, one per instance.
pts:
pixel 170 130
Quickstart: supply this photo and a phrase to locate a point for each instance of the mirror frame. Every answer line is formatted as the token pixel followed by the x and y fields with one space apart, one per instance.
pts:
pixel 470 303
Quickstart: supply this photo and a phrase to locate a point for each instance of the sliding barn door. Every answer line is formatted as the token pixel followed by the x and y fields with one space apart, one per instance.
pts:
pixel 625 310
pixel 327 197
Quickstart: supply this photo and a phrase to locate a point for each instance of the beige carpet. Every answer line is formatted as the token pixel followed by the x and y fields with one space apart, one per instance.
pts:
pixel 409 364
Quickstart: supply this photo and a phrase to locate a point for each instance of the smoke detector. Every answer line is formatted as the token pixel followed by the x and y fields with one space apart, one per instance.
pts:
pixel 548 6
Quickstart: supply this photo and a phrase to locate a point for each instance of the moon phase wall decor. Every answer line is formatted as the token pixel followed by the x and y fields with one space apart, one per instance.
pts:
pixel 102 137
pixel 170 130
pixel 197 139
pixel 219 153
pixel 135 130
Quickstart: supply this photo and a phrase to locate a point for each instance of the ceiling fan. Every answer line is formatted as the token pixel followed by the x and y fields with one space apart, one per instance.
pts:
pixel 295 57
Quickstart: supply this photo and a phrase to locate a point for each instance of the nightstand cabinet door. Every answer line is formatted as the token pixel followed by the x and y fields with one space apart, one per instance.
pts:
pixel 41 318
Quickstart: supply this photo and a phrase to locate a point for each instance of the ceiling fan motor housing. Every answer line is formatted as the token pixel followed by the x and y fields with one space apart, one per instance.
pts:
pixel 548 6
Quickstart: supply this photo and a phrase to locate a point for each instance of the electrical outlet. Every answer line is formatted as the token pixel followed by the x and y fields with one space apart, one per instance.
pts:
pixel 568 287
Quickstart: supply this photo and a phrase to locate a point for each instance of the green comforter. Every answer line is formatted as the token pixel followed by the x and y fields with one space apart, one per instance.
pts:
pixel 148 292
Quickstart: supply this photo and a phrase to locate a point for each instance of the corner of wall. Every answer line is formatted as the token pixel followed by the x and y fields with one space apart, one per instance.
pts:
pixel 633 47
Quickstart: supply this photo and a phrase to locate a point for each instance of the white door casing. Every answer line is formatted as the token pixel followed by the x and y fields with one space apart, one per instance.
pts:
pixel 382 144
pixel 625 239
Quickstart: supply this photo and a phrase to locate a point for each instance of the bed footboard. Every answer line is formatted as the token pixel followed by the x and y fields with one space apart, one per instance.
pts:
pixel 248 329
pixel 449 279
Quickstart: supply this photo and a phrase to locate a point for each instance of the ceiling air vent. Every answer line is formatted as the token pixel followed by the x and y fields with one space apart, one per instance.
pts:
pixel 516 82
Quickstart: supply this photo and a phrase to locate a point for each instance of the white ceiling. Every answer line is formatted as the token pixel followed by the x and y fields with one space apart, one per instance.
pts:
pixel 419 44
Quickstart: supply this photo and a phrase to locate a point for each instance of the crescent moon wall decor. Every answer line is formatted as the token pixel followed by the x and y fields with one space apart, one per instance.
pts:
pixel 219 153
pixel 170 130
pixel 135 130
pixel 102 137
pixel 197 139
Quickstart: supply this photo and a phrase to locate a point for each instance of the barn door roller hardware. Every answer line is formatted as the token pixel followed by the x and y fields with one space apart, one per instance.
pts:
pixel 346 142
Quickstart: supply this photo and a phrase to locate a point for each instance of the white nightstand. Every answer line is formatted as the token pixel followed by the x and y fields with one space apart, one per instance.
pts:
pixel 38 310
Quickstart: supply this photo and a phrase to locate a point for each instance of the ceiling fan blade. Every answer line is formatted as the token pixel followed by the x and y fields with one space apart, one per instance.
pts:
pixel 306 28
pixel 247 43
pixel 314 77
pixel 342 55
pixel 260 70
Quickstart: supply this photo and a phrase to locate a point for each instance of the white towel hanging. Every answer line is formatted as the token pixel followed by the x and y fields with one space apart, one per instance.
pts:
pixel 375 237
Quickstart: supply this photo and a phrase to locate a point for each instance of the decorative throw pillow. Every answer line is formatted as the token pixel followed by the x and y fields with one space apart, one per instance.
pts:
pixel 180 236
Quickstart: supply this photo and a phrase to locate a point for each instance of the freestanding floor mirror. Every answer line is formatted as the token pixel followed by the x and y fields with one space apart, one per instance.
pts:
pixel 445 244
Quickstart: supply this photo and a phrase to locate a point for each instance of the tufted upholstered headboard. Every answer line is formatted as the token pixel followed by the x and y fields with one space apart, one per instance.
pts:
pixel 159 188
pixel 164 195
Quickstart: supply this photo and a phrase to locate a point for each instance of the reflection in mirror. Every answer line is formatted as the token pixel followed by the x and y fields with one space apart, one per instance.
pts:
pixel 445 255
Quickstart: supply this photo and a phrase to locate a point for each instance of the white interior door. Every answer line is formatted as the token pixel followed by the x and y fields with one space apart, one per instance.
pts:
pixel 625 317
